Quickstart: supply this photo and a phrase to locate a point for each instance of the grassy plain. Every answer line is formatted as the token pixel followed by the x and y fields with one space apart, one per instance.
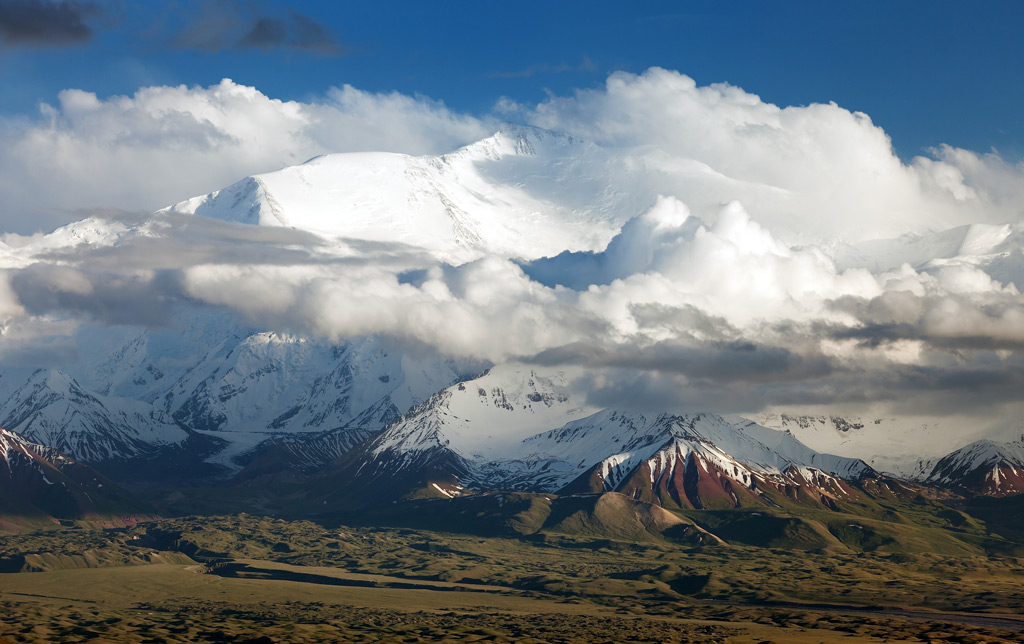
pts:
pixel 259 579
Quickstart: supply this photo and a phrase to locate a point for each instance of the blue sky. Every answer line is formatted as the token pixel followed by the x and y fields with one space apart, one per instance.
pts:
pixel 927 72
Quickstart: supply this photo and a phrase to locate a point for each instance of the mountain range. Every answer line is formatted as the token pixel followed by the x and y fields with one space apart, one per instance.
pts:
pixel 209 392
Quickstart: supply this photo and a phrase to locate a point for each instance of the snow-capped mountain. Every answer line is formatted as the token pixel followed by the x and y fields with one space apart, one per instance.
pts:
pixel 53 409
pixel 458 430
pixel 983 467
pixel 37 481
pixel 906 447
pixel 288 383
pixel 268 385
pixel 977 244
pixel 693 460
pixel 135 388
pixel 489 434
pixel 524 192
pixel 231 383
pixel 489 416
pixel 13 446
pixel 511 194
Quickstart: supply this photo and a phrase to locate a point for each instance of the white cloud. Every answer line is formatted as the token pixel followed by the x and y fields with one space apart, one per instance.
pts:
pixel 810 172
pixel 354 120
pixel 165 144
pixel 9 305
pixel 723 316
pixel 806 173
pixel 713 296
pixel 989 185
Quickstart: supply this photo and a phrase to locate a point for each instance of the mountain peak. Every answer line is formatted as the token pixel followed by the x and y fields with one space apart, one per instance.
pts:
pixel 504 195
pixel 53 409
pixel 41 483
pixel 984 466
pixel 522 428
pixel 513 140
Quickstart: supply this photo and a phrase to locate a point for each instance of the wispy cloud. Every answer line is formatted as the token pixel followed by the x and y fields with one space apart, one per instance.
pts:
pixel 586 65
pixel 228 24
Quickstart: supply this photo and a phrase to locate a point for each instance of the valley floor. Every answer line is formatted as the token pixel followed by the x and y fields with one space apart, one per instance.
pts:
pixel 174 603
pixel 256 579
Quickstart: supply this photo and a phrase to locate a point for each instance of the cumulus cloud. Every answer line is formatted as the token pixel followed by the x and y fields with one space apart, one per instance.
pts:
pixel 457 312
pixel 815 172
pixel 10 307
pixel 811 173
pixel 991 185
pixel 165 144
pixel 351 120
pixel 679 313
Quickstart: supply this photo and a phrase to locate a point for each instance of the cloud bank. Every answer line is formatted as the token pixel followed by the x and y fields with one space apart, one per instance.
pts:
pixel 748 280
pixel 680 314
pixel 812 173
pixel 815 171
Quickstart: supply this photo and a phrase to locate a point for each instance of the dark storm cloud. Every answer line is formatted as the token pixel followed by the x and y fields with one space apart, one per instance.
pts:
pixel 106 296
pixel 954 389
pixel 876 335
pixel 912 390
pixel 227 24
pixel 646 390
pixel 143 278
pixel 704 348
pixel 296 32
pixel 43 23
pixel 686 321
pixel 714 362
pixel 267 33
pixel 711 365
pixel 947 322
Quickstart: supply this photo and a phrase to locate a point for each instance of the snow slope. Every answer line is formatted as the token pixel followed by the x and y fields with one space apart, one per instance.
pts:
pixel 53 409
pixel 485 418
pixel 985 242
pixel 488 434
pixel 523 192
pixel 907 447
pixel 998 250
pixel 619 443
pixel 983 467
pixel 215 376
pixel 39 482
